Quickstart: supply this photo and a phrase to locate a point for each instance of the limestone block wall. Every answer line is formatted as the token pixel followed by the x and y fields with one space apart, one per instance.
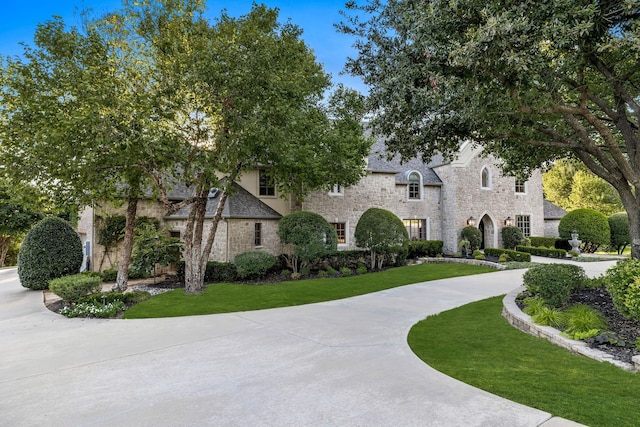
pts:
pixel 377 190
pixel 464 197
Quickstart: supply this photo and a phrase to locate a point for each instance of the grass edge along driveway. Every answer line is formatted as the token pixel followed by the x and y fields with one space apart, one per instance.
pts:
pixel 234 297
pixel 476 345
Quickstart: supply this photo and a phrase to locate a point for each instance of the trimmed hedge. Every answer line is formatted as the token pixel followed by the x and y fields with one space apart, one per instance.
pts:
pixel 619 226
pixel 543 242
pixel 546 252
pixel 592 228
pixel 513 255
pixel 216 272
pixel 72 288
pixel 253 264
pixel 422 248
pixel 51 249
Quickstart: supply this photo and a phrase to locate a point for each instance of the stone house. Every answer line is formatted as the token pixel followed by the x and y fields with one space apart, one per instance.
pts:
pixel 435 201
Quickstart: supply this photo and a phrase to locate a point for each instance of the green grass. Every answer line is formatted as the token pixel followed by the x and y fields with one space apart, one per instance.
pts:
pixel 475 344
pixel 226 297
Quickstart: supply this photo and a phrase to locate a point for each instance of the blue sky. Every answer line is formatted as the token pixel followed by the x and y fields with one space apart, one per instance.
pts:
pixel 19 18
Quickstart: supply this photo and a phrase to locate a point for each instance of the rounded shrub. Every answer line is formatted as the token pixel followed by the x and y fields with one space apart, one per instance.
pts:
pixel 554 282
pixel 592 228
pixel 254 264
pixel 622 283
pixel 381 232
pixel 310 236
pixel 512 237
pixel 72 288
pixel 473 235
pixel 619 229
pixel 51 249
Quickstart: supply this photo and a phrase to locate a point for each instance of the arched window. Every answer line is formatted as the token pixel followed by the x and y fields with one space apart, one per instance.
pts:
pixel 486 177
pixel 415 186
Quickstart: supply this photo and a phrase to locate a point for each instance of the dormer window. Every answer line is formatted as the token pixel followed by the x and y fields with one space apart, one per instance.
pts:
pixel 486 178
pixel 521 186
pixel 265 184
pixel 415 186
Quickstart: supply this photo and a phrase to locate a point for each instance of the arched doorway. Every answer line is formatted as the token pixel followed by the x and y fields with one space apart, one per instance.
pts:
pixel 487 229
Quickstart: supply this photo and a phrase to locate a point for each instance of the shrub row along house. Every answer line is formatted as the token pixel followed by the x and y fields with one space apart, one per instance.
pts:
pixel 434 200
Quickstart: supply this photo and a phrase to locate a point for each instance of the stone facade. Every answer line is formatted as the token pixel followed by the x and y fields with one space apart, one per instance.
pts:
pixel 450 193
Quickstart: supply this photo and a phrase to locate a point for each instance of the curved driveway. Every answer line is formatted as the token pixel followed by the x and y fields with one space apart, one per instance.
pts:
pixel 338 363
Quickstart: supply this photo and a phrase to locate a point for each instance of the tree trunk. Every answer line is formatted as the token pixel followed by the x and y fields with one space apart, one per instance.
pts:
pixel 5 244
pixel 129 230
pixel 634 229
pixel 193 264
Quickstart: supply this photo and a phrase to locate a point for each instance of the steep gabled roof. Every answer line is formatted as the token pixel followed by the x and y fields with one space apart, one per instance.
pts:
pixel 552 211
pixel 379 162
pixel 241 204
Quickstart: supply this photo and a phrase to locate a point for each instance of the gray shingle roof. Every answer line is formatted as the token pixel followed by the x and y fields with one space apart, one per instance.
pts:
pixel 552 211
pixel 241 204
pixel 380 163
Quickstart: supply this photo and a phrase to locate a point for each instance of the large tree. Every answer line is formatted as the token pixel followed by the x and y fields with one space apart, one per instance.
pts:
pixel 16 218
pixel 570 185
pixel 250 97
pixel 529 81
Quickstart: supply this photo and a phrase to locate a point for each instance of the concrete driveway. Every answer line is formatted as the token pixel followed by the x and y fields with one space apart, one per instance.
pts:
pixel 339 363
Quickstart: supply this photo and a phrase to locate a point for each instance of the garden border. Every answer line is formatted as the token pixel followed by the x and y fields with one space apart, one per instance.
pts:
pixel 523 322
pixel 443 260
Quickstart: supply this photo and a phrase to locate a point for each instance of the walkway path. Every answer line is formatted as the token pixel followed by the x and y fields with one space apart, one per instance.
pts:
pixel 338 363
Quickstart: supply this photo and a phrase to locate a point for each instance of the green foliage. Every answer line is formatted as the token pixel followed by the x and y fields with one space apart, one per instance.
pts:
pixel 511 237
pixel 51 249
pixel 473 235
pixel 72 288
pixel 532 305
pixel 362 269
pixel 542 242
pixel 622 282
pixel 109 275
pixel 554 282
pixel 310 235
pixel 381 231
pixel 151 247
pixel 215 272
pixel 570 185
pixel 478 255
pixel 503 258
pixel 15 220
pixel 86 309
pixel 592 227
pixel 619 227
pixel 345 271
pixel 547 316
pixel 513 255
pixel 546 252
pixel 422 248
pixel 254 264
pixel 583 322
pixel 112 231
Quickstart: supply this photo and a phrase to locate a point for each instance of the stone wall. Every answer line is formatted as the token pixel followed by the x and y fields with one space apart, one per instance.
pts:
pixel 377 190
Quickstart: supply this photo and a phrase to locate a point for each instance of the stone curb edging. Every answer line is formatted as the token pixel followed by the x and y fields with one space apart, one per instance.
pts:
pixel 443 260
pixel 522 321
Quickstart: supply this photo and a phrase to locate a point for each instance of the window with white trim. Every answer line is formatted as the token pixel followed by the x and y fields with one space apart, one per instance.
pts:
pixel 337 190
pixel 486 177
pixel 417 228
pixel 341 231
pixel 521 186
pixel 523 222
pixel 265 184
pixel 415 186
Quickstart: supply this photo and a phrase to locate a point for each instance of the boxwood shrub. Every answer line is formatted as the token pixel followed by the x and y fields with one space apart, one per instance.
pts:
pixel 422 248
pixel 51 249
pixel 254 264
pixel 546 252
pixel 554 282
pixel 592 228
pixel 72 288
pixel 543 242
pixel 622 283
pixel 513 255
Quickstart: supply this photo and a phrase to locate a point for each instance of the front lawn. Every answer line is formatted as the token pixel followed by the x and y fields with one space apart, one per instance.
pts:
pixel 228 297
pixel 475 344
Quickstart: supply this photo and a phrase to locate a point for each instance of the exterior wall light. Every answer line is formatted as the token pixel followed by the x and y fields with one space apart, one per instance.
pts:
pixel 508 222
pixel 471 221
